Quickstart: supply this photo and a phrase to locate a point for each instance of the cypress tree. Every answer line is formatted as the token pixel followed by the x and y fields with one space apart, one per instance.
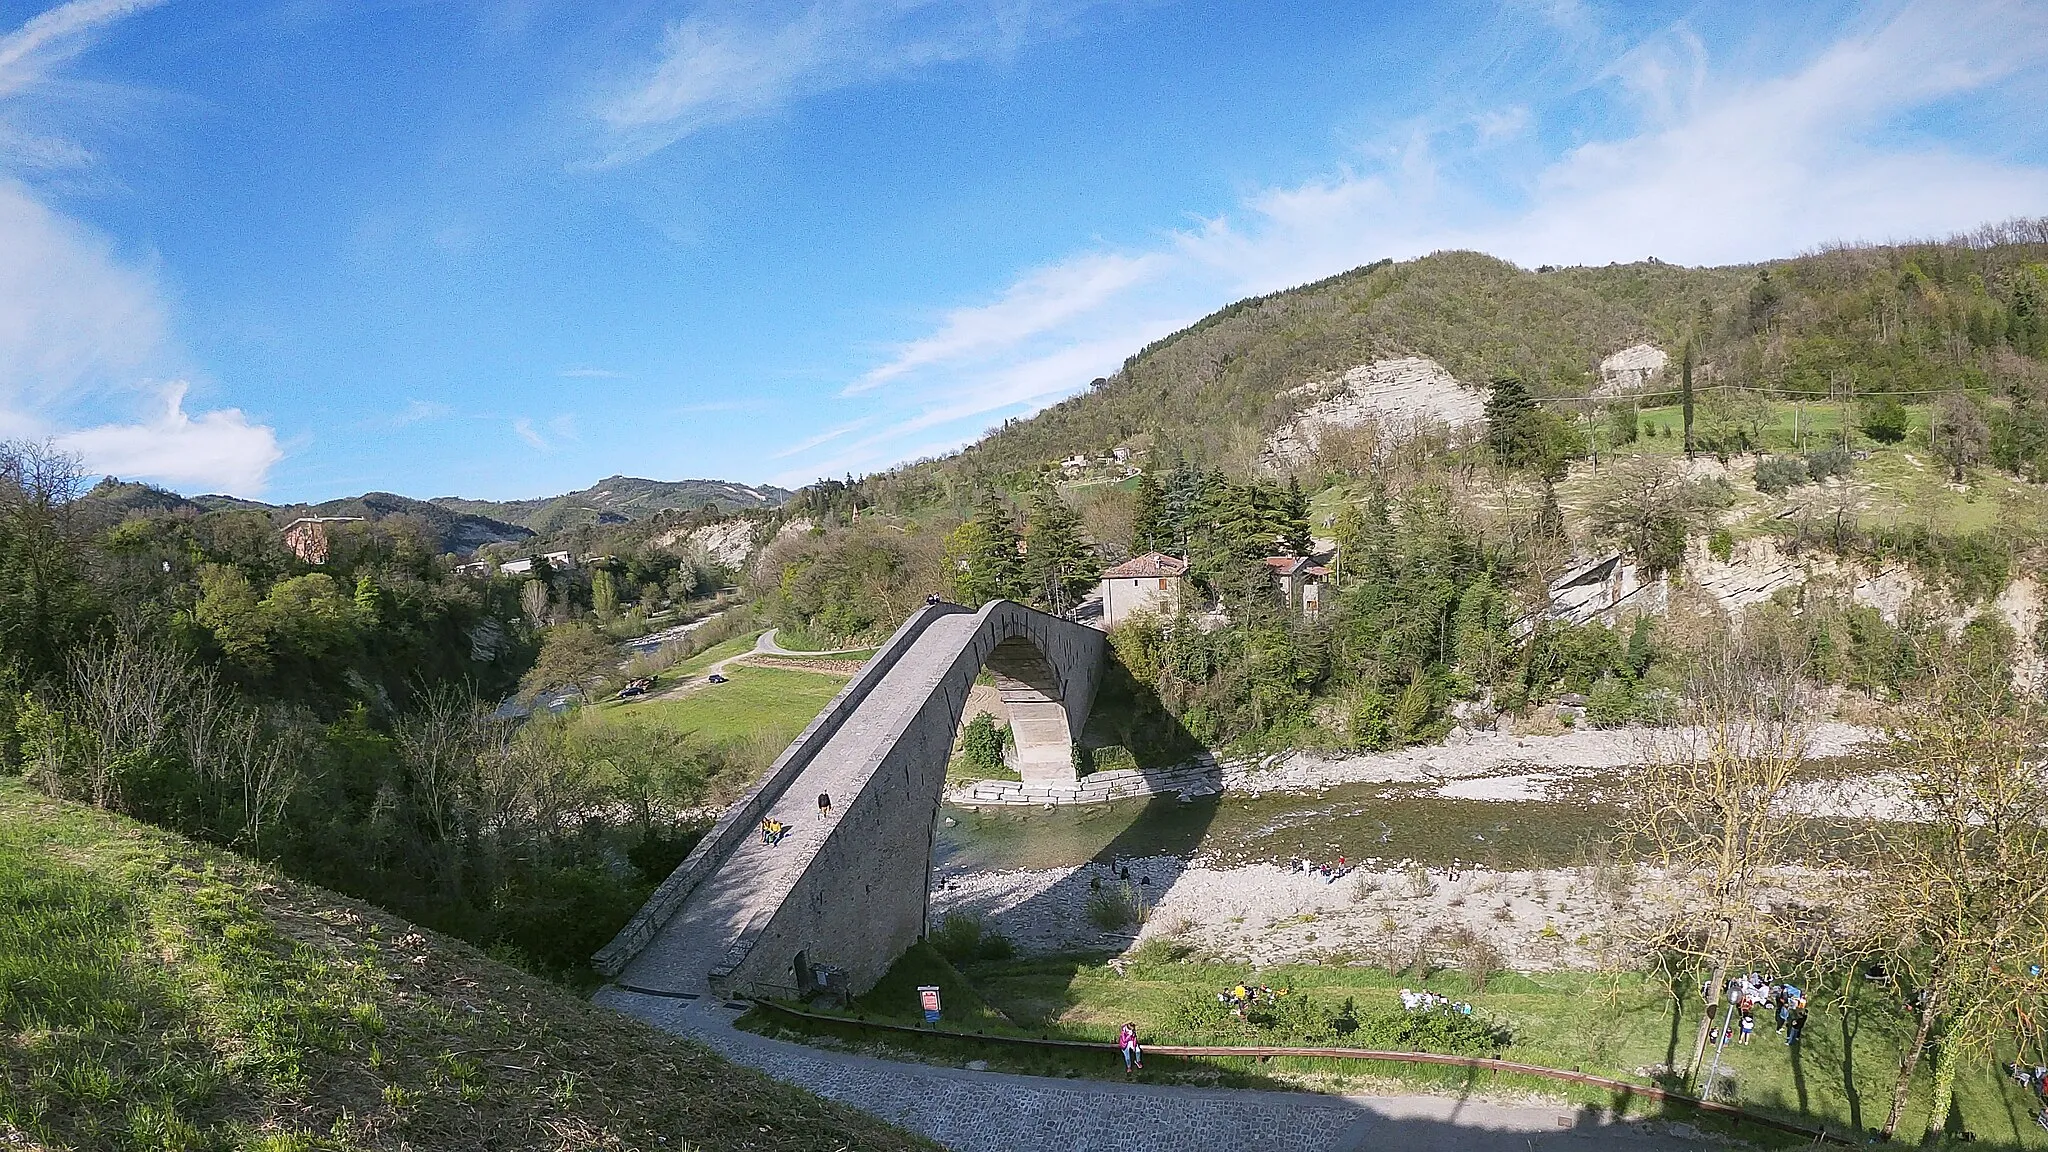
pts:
pixel 1149 532
pixel 1685 395
pixel 1508 408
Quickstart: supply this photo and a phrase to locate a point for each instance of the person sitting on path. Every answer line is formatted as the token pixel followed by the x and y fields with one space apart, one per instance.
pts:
pixel 1127 1042
pixel 772 831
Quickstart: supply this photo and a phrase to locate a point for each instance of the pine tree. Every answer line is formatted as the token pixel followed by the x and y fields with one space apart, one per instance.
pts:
pixel 1508 408
pixel 1549 517
pixel 1149 532
pixel 1058 564
pixel 1295 533
pixel 983 552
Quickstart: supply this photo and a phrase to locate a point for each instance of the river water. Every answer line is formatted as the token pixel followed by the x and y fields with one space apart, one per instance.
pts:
pixel 1541 827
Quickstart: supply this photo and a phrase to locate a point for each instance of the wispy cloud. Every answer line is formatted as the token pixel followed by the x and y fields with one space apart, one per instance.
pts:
pixel 824 437
pixel 30 52
pixel 81 330
pixel 590 374
pixel 1704 167
pixel 219 450
pixel 415 412
pixel 736 62
pixel 523 428
pixel 1037 303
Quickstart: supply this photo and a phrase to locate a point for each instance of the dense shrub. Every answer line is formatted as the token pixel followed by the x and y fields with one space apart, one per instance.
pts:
pixel 981 744
pixel 1777 474
pixel 963 937
pixel 1885 420
pixel 1612 703
pixel 1828 463
pixel 1298 1018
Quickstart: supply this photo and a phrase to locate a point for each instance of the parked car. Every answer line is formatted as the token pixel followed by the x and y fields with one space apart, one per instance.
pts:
pixel 715 678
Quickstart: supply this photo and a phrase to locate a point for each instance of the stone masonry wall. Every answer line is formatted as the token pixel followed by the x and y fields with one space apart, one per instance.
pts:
pixel 861 901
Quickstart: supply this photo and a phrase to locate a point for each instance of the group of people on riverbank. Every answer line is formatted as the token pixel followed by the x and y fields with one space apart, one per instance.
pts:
pixel 1244 996
pixel 1331 871
pixel 1422 1001
pixel 1752 996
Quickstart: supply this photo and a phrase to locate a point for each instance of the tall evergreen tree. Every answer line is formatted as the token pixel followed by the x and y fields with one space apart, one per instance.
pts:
pixel 1295 532
pixel 1059 565
pixel 1685 393
pixel 983 552
pixel 1149 531
pixel 1508 408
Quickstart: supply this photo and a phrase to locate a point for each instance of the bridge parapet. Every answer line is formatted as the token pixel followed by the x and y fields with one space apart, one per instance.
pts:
pixel 851 891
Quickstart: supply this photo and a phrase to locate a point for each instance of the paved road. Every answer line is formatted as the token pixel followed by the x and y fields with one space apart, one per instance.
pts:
pixel 753 881
pixel 970 1111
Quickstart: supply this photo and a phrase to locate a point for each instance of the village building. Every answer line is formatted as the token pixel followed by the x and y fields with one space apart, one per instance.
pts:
pixel 524 564
pixel 1302 581
pixel 307 536
pixel 1148 583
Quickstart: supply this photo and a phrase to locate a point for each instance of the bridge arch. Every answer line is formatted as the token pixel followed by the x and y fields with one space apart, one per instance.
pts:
pixel 848 891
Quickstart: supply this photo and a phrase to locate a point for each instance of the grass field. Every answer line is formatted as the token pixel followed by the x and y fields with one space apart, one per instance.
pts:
pixel 156 995
pixel 770 704
pixel 1623 1026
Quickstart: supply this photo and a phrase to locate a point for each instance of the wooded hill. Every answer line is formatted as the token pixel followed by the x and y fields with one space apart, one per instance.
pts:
pixel 1971 311
pixel 618 499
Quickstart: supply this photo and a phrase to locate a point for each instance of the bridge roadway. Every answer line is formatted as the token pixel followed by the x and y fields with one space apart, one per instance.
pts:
pixel 751 883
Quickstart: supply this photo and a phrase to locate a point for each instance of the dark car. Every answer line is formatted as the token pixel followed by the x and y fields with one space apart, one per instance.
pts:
pixel 715 678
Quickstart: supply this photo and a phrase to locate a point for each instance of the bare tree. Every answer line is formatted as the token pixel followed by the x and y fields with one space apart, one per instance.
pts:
pixel 1708 812
pixel 533 599
pixel 125 698
pixel 1960 887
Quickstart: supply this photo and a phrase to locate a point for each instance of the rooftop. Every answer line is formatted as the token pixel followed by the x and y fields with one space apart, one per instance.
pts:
pixel 1146 566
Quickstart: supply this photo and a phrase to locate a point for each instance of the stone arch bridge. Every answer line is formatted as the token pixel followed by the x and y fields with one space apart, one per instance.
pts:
pixel 849 891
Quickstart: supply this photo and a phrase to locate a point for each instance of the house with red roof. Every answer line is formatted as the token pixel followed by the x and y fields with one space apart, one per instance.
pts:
pixel 1148 583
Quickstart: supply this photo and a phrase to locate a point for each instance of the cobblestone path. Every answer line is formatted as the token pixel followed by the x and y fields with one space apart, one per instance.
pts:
pixel 970 1111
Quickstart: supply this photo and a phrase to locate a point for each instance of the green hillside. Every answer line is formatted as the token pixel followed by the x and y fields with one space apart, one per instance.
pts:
pixel 618 499
pixel 157 995
pixel 1969 312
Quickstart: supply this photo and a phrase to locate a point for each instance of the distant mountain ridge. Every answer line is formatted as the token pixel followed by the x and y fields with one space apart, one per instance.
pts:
pixel 461 525
pixel 618 499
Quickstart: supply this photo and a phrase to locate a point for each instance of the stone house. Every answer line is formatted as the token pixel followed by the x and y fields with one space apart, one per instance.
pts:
pixel 307 536
pixel 1303 582
pixel 1148 583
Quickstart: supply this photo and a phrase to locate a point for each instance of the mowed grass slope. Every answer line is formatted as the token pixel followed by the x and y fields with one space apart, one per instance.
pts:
pixel 155 994
pixel 1622 1025
pixel 770 704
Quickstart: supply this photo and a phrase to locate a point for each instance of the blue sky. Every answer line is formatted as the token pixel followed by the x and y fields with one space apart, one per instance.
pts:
pixel 303 249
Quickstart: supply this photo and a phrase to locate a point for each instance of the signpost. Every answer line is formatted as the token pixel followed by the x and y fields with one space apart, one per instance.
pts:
pixel 928 996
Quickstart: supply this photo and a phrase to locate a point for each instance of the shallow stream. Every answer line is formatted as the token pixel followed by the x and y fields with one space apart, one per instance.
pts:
pixel 1366 822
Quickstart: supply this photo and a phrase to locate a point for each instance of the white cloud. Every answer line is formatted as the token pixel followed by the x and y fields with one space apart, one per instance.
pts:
pixel 1717 169
pixel 29 52
pixel 825 437
pixel 1035 304
pixel 80 328
pixel 217 451
pixel 590 374
pixel 737 62
pixel 523 428
pixel 71 314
